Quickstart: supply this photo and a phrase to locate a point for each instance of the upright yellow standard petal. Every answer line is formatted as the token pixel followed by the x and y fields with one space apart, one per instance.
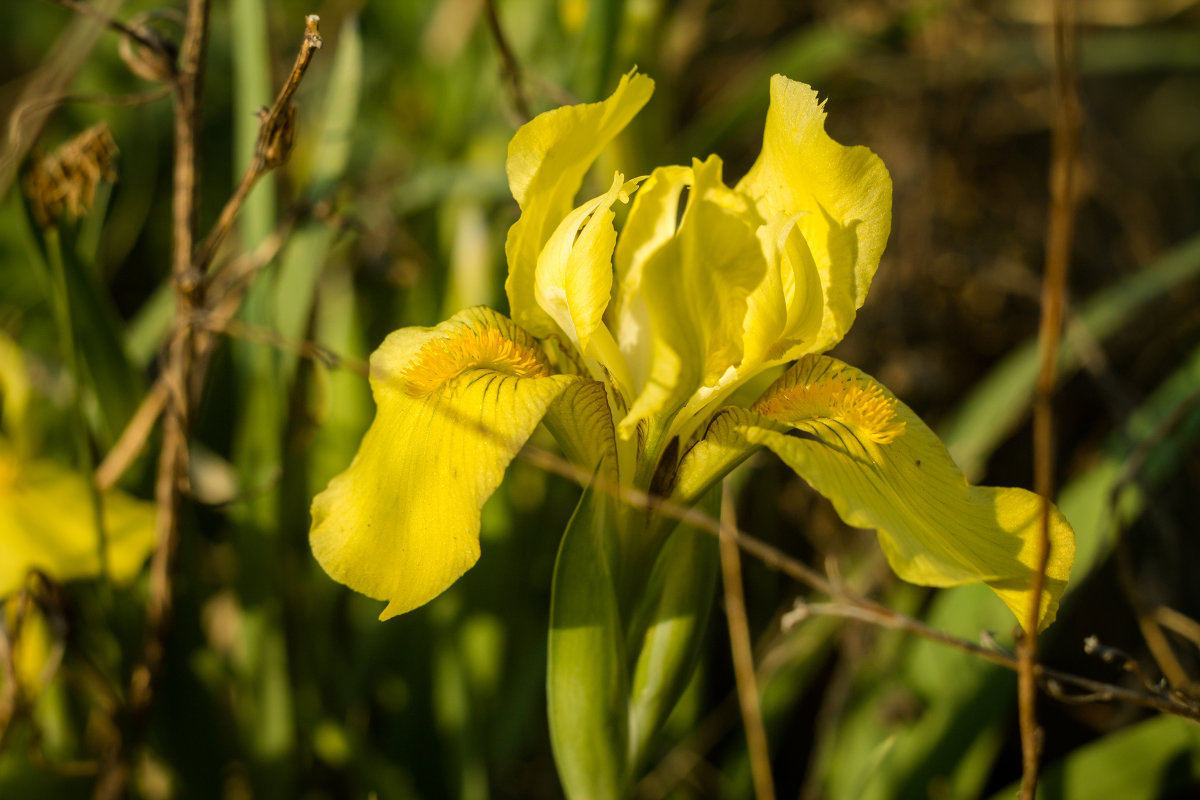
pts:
pixel 651 223
pixel 696 287
pixel 547 160
pixel 841 197
pixel 574 271
pixel 454 405
pixel 47 524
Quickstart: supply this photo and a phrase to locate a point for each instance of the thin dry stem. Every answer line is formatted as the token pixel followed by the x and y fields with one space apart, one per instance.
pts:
pixel 276 127
pixel 179 374
pixel 133 439
pixel 743 657
pixel 172 471
pixel 1058 257
pixel 875 614
pixel 112 23
pixel 1180 623
pixel 847 604
pixel 512 68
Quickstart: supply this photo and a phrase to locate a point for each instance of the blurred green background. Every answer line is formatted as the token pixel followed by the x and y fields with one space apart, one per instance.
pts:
pixel 393 210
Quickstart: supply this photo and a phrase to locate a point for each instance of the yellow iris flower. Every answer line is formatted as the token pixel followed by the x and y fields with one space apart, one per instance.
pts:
pixel 47 517
pixel 630 346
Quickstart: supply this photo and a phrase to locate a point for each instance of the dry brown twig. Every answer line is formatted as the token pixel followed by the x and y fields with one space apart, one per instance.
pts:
pixel 509 63
pixel 275 131
pixel 1060 232
pixel 743 656
pixel 846 604
pixel 49 81
pixel 181 371
pixel 133 32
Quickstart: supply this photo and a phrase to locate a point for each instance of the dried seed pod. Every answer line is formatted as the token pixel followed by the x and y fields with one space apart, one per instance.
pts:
pixel 65 181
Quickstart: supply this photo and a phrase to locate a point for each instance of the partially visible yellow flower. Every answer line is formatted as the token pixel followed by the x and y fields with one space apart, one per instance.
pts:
pixel 630 346
pixel 47 523
pixel 47 516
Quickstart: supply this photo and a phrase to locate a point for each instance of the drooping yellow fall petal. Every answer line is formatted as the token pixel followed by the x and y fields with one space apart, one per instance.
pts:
pixel 841 197
pixel 47 523
pixel 454 405
pixel 883 468
pixel 547 160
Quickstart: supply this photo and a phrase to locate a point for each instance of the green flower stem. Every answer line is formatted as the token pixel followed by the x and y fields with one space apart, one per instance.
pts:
pixel 61 302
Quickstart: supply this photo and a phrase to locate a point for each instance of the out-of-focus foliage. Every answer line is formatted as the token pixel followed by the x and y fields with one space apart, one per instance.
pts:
pixel 393 212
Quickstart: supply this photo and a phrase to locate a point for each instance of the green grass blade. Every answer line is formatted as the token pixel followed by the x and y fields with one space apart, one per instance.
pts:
pixel 1002 400
pixel 1153 759
pixel 251 91
pixel 308 249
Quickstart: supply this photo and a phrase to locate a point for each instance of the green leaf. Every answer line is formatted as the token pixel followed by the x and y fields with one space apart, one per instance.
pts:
pixel 1087 500
pixel 1002 400
pixel 586 681
pixel 1146 761
pixel 308 248
pixel 96 334
pixel 251 91
pixel 669 629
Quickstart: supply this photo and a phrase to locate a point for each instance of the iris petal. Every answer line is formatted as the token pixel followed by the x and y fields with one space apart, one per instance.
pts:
pixel 47 524
pixel 547 160
pixel 841 197
pixel 697 286
pixel 883 468
pixel 574 276
pixel 454 405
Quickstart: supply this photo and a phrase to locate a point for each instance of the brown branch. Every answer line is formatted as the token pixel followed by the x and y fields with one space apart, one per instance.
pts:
pixel 183 371
pixel 303 348
pixel 276 127
pixel 113 24
pixel 743 658
pixel 846 604
pixel 512 68
pixel 131 441
pixel 1058 257
pixel 1180 623
pixel 114 100
pixel 875 614
pixel 173 457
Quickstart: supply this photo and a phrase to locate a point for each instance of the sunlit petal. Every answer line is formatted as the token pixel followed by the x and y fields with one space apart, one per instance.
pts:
pixel 883 468
pixel 696 287
pixel 841 197
pixel 574 276
pixel 454 405
pixel 547 160
pixel 47 523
